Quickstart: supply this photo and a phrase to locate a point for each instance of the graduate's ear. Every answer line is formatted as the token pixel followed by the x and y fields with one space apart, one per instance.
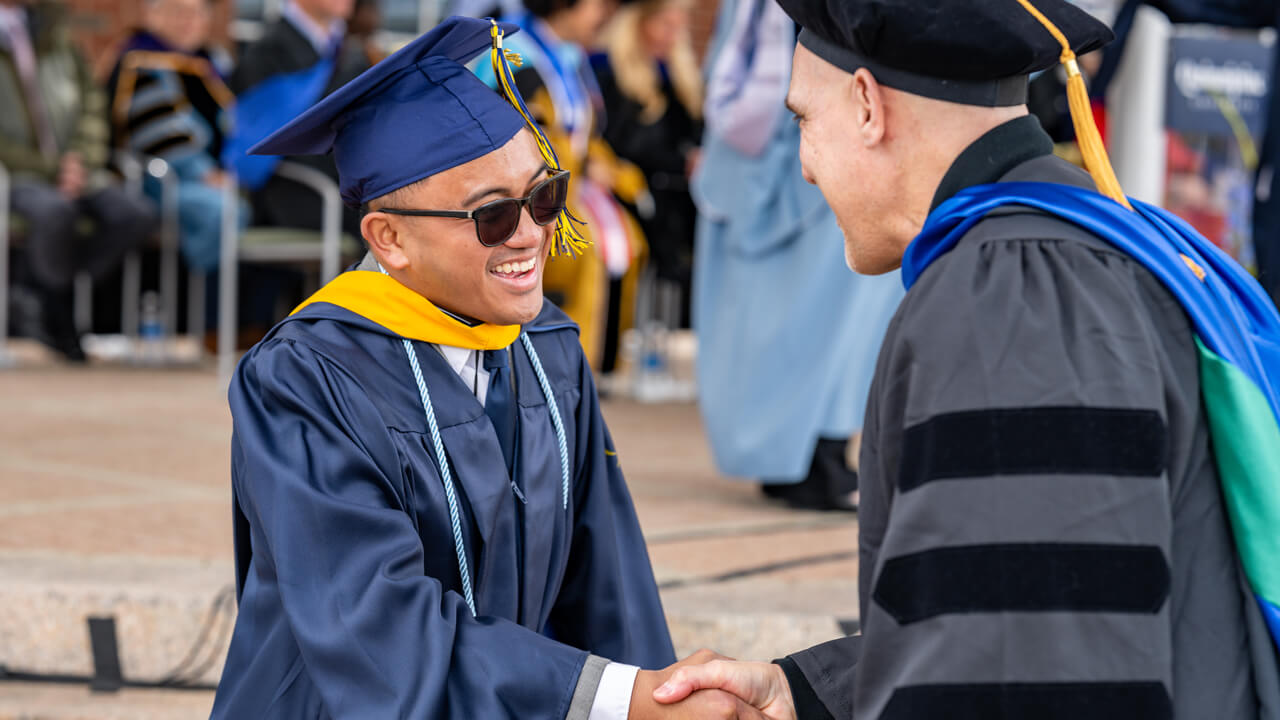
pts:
pixel 385 241
pixel 869 111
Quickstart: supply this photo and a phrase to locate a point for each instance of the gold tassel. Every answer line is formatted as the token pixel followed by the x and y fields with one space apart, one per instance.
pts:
pixel 569 239
pixel 1087 136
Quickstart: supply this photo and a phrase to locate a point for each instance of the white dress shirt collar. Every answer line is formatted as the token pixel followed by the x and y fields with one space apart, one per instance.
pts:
pixel 322 38
pixel 466 363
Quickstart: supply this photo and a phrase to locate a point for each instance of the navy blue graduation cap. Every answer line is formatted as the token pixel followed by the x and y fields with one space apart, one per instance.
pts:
pixel 417 113
pixel 974 52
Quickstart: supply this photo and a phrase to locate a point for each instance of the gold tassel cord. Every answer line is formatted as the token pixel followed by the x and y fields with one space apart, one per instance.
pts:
pixel 569 239
pixel 1087 136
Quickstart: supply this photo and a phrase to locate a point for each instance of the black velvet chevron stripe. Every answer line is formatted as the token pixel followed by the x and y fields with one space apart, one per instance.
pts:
pixel 1039 577
pixel 1032 701
pixel 158 112
pixel 1039 440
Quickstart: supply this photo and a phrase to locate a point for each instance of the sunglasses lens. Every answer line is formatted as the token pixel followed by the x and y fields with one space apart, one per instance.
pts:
pixel 547 200
pixel 496 221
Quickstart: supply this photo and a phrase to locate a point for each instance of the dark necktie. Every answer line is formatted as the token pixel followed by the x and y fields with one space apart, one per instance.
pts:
pixel 499 404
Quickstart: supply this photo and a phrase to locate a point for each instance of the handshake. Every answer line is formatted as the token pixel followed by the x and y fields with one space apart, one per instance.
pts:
pixel 708 685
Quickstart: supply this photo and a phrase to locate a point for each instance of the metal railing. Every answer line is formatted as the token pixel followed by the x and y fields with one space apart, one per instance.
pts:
pixel 5 358
pixel 131 267
pixel 134 168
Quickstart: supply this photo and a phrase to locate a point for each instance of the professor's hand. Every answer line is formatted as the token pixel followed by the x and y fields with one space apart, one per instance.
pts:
pixel 707 705
pixel 760 685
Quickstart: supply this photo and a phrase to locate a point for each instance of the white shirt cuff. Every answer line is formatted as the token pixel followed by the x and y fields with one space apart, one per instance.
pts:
pixel 613 695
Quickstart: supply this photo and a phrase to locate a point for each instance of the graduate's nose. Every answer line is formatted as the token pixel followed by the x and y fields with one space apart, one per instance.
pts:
pixel 528 233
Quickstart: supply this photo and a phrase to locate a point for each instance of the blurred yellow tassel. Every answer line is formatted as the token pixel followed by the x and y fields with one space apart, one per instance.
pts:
pixel 568 239
pixel 1087 136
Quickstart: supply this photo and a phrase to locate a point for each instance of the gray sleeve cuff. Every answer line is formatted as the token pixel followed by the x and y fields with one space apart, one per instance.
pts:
pixel 585 694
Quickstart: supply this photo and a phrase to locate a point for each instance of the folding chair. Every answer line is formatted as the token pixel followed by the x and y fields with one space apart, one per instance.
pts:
pixel 275 245
pixel 6 358
pixel 134 167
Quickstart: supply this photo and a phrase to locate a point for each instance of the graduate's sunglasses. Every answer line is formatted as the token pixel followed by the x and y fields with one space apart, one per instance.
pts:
pixel 497 221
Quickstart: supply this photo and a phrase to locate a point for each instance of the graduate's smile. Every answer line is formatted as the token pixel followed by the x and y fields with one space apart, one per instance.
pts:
pixel 518 275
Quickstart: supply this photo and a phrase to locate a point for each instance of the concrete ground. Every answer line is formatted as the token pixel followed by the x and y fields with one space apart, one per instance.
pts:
pixel 114 502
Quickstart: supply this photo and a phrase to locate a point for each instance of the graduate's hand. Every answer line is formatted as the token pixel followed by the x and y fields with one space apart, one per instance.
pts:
pixel 709 704
pixel 701 705
pixel 761 685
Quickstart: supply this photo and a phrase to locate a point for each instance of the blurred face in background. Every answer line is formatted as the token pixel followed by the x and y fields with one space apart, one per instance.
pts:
pixel 581 24
pixel 326 11
pixel 662 28
pixel 181 24
pixel 365 20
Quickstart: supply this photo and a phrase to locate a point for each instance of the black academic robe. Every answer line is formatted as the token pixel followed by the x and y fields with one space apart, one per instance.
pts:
pixel 660 148
pixel 351 601
pixel 1042 533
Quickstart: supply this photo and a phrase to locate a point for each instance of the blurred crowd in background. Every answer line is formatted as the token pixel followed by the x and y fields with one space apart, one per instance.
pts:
pixel 685 171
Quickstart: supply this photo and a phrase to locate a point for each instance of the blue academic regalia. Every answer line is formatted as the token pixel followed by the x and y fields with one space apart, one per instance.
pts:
pixel 348 581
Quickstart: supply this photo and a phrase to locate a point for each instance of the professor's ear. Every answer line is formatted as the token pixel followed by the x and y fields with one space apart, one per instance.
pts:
pixel 869 110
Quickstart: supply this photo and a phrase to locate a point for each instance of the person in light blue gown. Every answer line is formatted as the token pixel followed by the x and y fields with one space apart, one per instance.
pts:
pixel 787 336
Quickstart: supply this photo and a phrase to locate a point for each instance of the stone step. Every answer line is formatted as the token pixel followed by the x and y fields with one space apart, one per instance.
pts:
pixel 176 614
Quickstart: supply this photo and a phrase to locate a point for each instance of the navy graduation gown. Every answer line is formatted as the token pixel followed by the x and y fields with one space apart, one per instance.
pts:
pixel 347 577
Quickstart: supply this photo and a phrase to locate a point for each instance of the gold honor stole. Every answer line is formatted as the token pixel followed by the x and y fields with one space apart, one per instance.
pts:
pixel 383 300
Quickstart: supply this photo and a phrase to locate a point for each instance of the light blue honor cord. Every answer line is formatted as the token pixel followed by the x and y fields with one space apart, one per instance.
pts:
pixel 459 545
pixel 446 477
pixel 555 418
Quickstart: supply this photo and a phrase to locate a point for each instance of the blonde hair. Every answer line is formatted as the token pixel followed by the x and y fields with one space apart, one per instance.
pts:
pixel 637 73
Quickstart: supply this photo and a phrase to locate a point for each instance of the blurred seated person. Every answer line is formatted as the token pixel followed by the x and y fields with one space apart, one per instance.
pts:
pixel 562 94
pixel 168 100
pixel 53 142
pixel 299 59
pixel 652 89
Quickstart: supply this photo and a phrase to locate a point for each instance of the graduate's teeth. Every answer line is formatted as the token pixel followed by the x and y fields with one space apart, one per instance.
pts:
pixel 516 268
